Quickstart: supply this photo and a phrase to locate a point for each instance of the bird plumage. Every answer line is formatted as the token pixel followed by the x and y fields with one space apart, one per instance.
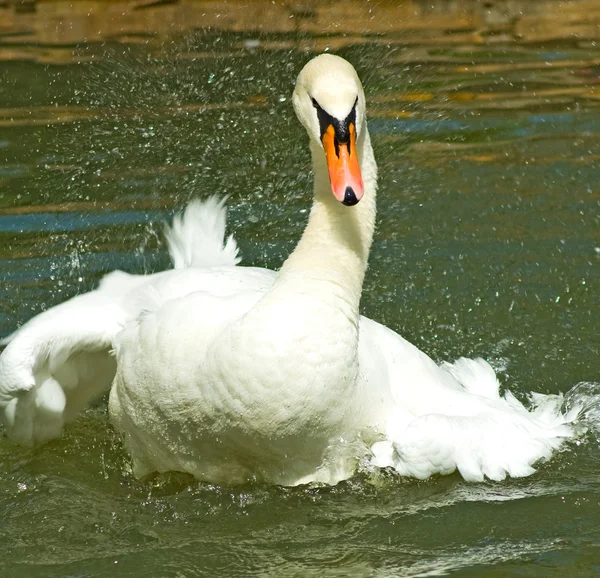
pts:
pixel 237 373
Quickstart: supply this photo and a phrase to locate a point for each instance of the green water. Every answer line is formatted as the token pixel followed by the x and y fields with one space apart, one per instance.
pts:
pixel 488 244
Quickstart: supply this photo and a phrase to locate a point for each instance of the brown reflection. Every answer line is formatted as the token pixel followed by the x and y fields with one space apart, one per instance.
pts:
pixel 155 203
pixel 478 58
pixel 46 115
pixel 57 25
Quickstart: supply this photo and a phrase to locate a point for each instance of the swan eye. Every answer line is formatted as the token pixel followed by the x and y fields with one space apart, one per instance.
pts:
pixel 316 104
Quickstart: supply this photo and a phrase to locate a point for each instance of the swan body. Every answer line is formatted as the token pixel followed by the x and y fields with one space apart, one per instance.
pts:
pixel 238 373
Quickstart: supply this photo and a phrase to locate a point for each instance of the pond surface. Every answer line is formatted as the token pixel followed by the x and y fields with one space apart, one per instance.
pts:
pixel 486 125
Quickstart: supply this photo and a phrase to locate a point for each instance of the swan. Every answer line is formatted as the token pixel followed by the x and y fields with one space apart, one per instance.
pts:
pixel 237 374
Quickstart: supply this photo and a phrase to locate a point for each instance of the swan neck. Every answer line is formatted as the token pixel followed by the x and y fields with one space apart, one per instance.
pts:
pixel 336 242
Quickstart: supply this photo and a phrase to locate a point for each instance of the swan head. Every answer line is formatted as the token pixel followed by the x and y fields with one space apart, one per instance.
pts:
pixel 330 103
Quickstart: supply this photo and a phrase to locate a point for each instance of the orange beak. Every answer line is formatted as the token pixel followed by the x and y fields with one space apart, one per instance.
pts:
pixel 344 171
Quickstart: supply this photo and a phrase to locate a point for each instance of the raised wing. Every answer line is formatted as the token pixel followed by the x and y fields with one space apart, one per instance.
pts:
pixel 60 360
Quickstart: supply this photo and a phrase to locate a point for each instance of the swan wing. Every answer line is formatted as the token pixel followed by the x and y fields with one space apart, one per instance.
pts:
pixel 491 444
pixel 442 418
pixel 62 358
pixel 58 361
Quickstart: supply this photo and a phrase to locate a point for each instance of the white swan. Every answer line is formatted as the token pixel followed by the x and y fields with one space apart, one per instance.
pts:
pixel 235 374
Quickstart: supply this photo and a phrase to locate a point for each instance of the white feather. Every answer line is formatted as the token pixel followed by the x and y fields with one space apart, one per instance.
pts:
pixel 59 361
pixel 196 237
pixel 237 374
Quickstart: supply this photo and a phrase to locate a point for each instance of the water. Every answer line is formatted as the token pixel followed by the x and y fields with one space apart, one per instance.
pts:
pixel 485 126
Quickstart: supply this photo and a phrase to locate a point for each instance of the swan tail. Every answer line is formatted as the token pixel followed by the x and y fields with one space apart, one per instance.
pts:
pixel 196 237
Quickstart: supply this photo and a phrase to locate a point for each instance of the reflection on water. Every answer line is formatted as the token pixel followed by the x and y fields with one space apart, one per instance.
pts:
pixel 60 23
pixel 484 118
